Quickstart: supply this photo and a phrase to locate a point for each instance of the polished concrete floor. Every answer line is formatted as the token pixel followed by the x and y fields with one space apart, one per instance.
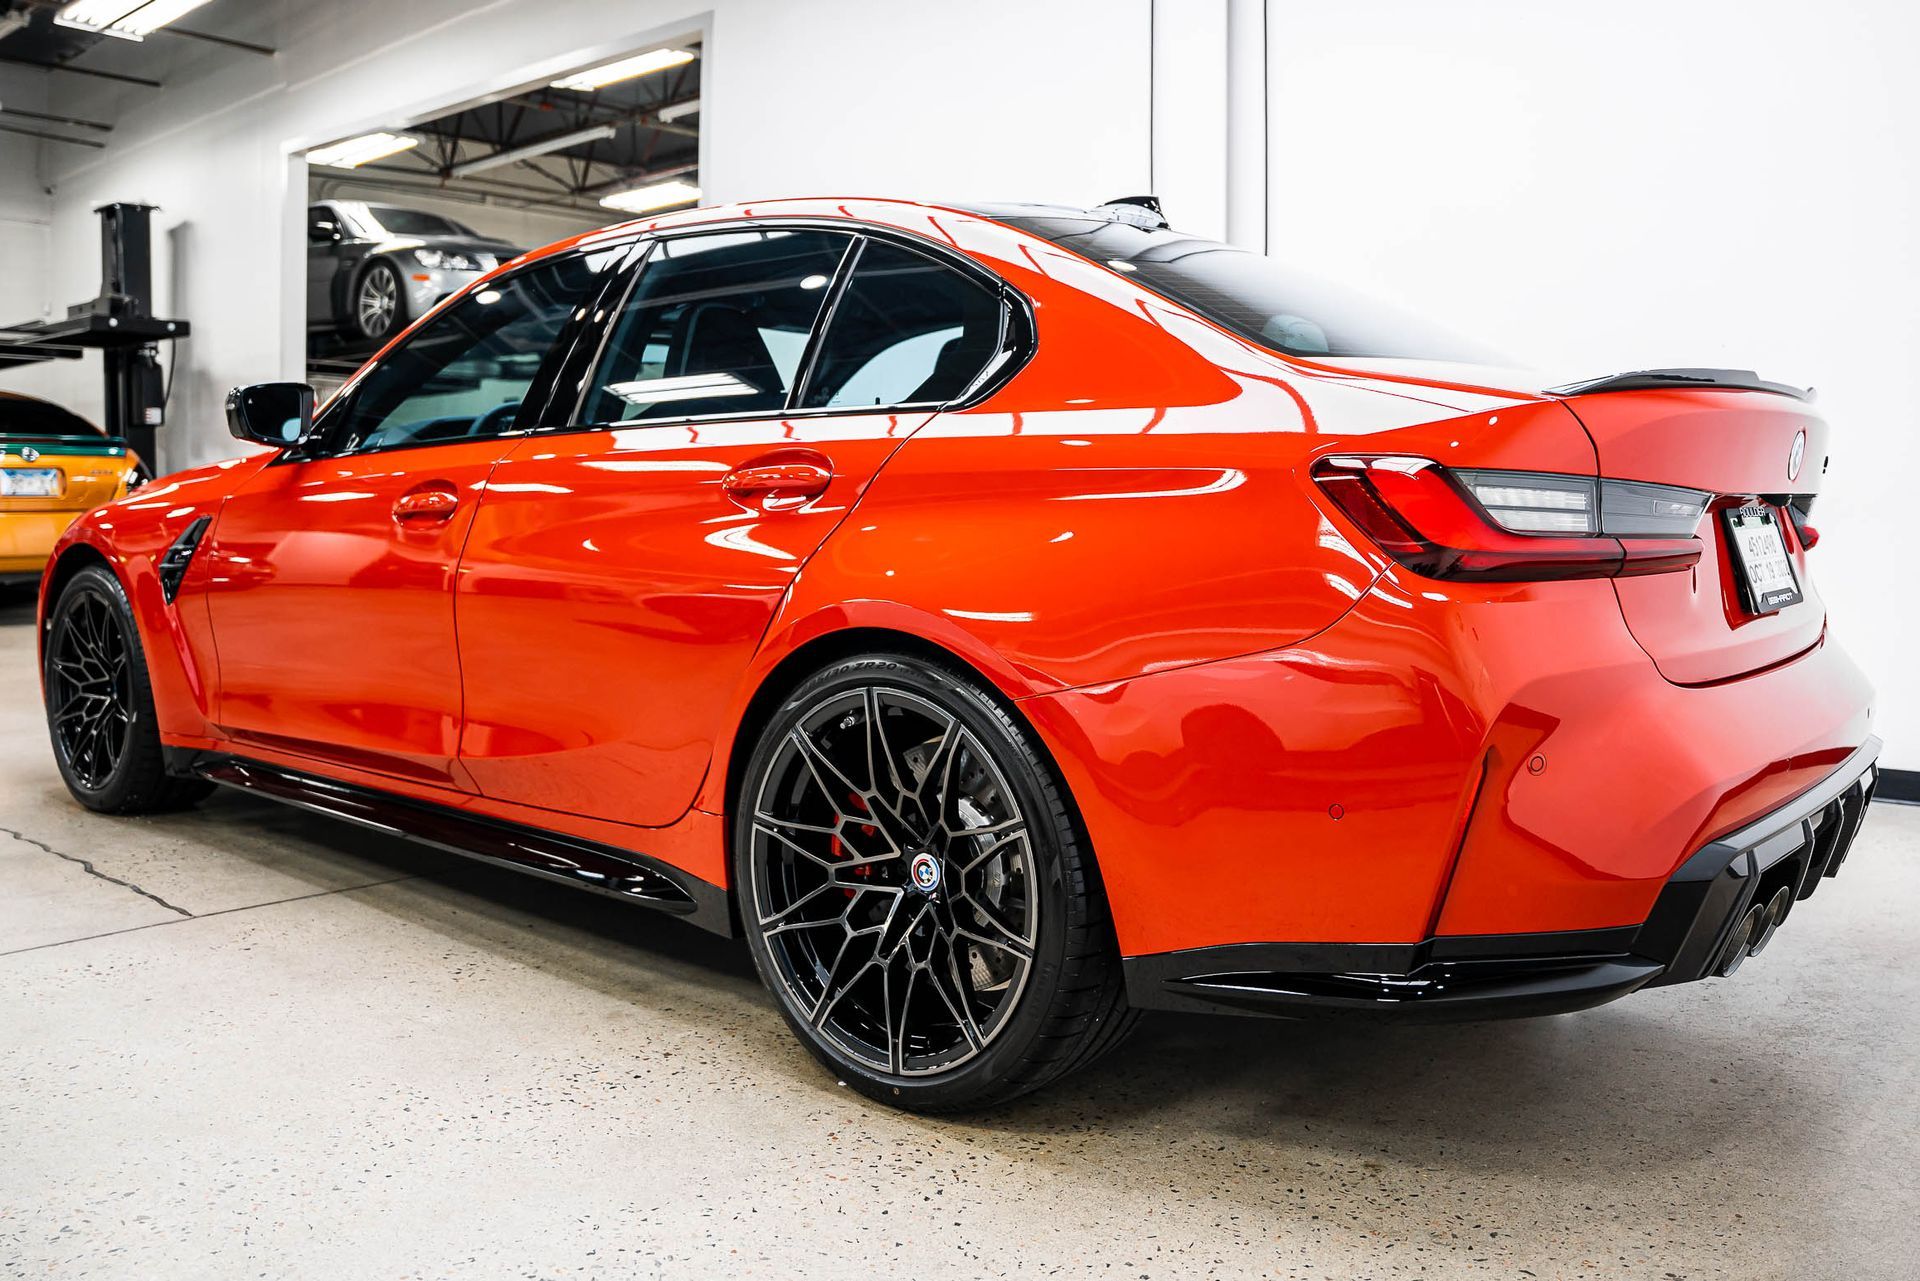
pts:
pixel 245 1042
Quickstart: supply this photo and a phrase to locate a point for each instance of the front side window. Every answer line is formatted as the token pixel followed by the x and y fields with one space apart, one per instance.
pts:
pixel 464 374
pixel 716 324
pixel 907 331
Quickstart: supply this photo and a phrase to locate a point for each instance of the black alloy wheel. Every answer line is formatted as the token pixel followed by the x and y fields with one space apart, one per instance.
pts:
pixel 100 716
pixel 915 891
pixel 90 689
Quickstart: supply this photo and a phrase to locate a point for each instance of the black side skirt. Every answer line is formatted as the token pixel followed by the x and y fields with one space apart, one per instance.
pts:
pixel 623 874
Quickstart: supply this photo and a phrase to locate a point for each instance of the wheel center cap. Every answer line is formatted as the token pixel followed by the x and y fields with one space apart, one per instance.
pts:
pixel 924 871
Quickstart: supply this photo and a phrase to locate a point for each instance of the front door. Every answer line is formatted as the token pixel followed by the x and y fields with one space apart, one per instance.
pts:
pixel 620 576
pixel 331 591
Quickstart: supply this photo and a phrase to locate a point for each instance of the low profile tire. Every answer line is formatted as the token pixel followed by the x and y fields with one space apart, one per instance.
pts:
pixel 916 892
pixel 378 306
pixel 106 740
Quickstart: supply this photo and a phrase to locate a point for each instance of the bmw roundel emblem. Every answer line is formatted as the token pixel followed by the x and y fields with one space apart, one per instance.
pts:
pixel 28 453
pixel 925 871
pixel 1798 454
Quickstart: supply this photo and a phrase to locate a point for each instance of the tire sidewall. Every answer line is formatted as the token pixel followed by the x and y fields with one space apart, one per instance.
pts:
pixel 1049 834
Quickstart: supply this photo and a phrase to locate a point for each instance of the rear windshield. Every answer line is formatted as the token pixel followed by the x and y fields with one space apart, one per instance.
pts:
pixel 25 417
pixel 1252 295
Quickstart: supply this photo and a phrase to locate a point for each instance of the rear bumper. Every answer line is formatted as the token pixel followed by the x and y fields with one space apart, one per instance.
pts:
pixel 27 538
pixel 1720 907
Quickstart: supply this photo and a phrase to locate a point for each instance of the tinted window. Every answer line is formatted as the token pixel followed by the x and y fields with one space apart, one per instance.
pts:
pixel 906 331
pixel 413 222
pixel 716 324
pixel 1251 294
pixel 464 373
pixel 25 416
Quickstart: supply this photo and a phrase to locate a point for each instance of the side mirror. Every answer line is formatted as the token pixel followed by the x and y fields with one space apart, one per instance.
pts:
pixel 322 233
pixel 276 414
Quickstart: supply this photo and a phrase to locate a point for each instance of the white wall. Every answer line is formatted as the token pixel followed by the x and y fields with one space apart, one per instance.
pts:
pixel 1002 100
pixel 1645 182
pixel 26 223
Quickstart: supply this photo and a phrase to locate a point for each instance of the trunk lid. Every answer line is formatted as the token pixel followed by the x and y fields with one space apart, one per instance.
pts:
pixel 1747 448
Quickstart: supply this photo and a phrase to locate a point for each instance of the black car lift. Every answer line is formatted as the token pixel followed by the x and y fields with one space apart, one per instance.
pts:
pixel 120 324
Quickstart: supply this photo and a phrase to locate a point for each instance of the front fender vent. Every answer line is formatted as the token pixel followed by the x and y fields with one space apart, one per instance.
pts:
pixel 173 565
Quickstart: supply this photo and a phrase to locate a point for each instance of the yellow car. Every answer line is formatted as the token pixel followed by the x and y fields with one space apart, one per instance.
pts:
pixel 54 465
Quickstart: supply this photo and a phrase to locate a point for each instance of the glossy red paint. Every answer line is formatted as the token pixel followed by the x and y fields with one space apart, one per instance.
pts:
pixel 1271 731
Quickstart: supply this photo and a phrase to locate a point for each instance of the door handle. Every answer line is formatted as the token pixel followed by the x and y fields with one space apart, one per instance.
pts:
pixel 778 480
pixel 426 505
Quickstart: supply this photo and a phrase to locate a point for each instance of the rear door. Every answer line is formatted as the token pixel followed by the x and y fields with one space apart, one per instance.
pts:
pixel 331 583
pixel 621 571
pixel 1757 453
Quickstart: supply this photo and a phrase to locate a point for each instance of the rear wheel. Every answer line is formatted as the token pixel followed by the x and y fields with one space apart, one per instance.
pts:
pixel 915 891
pixel 100 715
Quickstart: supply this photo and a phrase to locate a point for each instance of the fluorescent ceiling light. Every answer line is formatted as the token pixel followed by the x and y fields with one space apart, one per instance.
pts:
pixel 355 152
pixel 533 149
pixel 641 64
pixel 657 196
pixel 128 19
pixel 668 115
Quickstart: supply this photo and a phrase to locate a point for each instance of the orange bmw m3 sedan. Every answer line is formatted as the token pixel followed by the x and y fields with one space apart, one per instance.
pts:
pixel 1007 619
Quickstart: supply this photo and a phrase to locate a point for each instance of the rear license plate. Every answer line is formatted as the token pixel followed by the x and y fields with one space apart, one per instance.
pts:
pixel 29 482
pixel 1760 558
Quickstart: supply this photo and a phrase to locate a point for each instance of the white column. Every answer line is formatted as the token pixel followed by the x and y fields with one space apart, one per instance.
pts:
pixel 1190 114
pixel 1247 124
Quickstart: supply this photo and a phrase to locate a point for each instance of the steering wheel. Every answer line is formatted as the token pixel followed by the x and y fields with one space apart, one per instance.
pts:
pixel 496 420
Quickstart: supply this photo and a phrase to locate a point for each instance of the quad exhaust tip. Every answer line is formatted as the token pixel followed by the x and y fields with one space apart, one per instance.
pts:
pixel 1754 931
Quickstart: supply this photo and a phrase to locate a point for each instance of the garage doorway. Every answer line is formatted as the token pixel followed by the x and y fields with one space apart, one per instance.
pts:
pixel 399 217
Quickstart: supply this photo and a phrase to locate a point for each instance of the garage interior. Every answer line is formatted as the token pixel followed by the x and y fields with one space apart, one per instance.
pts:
pixel 245 1040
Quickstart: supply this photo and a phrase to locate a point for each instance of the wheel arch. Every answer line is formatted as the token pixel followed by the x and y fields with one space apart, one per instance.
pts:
pixel 824 648
pixel 67 563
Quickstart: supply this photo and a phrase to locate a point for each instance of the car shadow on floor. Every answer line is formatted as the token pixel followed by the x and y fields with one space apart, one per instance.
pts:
pixel 1642 1075
pixel 17 603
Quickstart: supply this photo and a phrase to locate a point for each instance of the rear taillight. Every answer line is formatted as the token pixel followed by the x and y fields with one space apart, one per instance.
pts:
pixel 1506 526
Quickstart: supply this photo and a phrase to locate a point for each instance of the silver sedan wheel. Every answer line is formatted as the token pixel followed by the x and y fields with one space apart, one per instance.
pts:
pixel 378 300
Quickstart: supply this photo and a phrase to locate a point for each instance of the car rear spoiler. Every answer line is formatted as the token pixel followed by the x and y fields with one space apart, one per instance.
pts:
pixel 1668 379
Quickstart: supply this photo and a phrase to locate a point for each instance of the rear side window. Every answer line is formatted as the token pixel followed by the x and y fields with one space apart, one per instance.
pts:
pixel 1254 296
pixel 906 331
pixel 464 373
pixel 716 324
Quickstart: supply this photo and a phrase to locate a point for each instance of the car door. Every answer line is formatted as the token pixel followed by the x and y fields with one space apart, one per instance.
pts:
pixel 620 574
pixel 331 587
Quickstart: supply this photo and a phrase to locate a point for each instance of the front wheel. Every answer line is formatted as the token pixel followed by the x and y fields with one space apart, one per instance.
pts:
pixel 100 714
pixel 379 303
pixel 916 893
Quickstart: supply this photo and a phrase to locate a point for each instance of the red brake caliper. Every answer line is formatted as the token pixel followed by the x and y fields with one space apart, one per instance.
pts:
pixel 839 849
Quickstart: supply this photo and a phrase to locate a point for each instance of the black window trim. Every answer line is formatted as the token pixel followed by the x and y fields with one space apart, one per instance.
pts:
pixel 1015 346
